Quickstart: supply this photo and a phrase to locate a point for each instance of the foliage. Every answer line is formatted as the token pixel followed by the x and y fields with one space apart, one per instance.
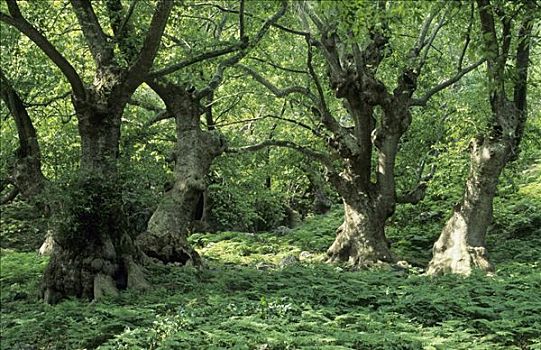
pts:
pixel 20 227
pixel 259 289
pixel 245 300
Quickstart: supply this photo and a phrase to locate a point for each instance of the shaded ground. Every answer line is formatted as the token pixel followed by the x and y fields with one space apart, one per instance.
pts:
pixel 254 295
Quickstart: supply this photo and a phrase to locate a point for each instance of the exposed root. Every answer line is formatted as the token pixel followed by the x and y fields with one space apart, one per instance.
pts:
pixel 136 276
pixel 48 246
pixel 460 260
pixel 169 249
pixel 104 286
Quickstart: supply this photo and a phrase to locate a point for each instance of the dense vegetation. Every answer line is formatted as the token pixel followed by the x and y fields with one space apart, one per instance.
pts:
pixel 270 174
pixel 247 299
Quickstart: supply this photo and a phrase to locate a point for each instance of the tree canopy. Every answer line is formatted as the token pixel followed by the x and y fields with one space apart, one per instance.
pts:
pixel 137 134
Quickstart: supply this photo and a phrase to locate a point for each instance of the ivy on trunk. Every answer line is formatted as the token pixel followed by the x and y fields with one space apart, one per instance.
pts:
pixel 94 255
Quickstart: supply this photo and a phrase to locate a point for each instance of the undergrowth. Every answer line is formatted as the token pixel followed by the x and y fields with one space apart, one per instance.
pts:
pixel 255 294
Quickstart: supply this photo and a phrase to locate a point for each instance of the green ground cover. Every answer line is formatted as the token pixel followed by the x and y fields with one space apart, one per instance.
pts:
pixel 254 295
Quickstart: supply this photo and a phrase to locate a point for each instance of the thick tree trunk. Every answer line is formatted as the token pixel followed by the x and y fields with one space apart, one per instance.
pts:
pixel 183 204
pixel 461 247
pixel 94 253
pixel 360 240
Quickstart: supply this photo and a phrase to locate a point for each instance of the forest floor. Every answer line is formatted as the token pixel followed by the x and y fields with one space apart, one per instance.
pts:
pixel 273 291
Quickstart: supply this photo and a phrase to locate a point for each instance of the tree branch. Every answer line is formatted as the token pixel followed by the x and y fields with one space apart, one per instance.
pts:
pixel 423 100
pixel 196 59
pixel 162 115
pixel 318 156
pixel 489 36
pixel 276 91
pixel 247 14
pixel 522 63
pixel 122 29
pixel 420 43
pixel 272 64
pixel 137 72
pixel 293 121
pixel 121 26
pixel 49 101
pixel 468 38
pixel 322 103
pixel 430 40
pixel 241 20
pixel 101 49
pixel 28 144
pixel 17 21
pixel 218 75
pixel 418 193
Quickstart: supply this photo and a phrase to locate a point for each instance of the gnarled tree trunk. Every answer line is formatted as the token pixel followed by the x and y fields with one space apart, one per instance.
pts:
pixel 360 240
pixel 94 253
pixel 183 204
pixel 461 246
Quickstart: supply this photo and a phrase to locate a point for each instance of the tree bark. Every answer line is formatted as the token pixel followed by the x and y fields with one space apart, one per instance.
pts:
pixel 461 247
pixel 25 173
pixel 183 204
pixel 94 253
pixel 360 240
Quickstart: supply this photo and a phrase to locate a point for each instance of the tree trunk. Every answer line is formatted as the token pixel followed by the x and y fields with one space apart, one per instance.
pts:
pixel 94 253
pixel 461 246
pixel 26 172
pixel 360 240
pixel 183 204
pixel 321 203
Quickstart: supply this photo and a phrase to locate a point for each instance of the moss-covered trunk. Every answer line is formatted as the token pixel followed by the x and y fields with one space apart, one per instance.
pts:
pixel 94 254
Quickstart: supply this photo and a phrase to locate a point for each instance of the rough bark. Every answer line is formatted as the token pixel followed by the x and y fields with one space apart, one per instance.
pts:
pixel 183 204
pixel 461 247
pixel 195 150
pixel 360 240
pixel 94 255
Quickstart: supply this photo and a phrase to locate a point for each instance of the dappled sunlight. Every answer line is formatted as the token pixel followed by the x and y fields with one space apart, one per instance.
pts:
pixel 232 303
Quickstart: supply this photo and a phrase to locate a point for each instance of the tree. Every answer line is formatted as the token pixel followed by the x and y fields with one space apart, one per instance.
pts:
pixel 26 174
pixel 461 246
pixel 379 117
pixel 195 148
pixel 96 255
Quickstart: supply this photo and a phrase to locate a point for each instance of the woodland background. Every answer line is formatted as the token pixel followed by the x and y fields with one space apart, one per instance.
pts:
pixel 188 164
